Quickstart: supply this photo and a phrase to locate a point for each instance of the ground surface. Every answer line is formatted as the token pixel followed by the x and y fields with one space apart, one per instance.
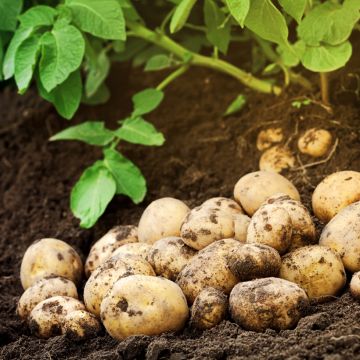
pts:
pixel 204 156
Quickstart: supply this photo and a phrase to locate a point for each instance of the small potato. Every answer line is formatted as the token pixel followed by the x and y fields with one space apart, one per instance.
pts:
pixel 208 269
pixel 169 256
pixel 44 289
pixel 223 205
pixel 143 305
pixel 162 218
pixel 269 303
pixel 316 269
pixel 241 224
pixel 103 248
pixel 355 285
pixel 253 261
pixel 268 137
pixel 335 192
pixel 209 309
pixel 80 325
pixel 103 278
pixel 50 257
pixel 276 159
pixel 271 225
pixel 47 317
pixel 254 188
pixel 315 142
pixel 139 249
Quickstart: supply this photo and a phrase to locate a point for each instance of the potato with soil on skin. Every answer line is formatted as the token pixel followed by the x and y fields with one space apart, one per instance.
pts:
pixel 169 256
pixel 143 305
pixel 277 159
pixel 103 248
pixel 315 142
pixel 355 285
pixel 269 303
pixel 342 234
pixel 104 277
pixel 80 325
pixel 162 218
pixel 139 249
pixel 44 289
pixel 241 225
pixel 47 317
pixel 271 225
pixel 316 269
pixel 208 268
pixel 209 309
pixel 223 205
pixel 252 190
pixel 50 257
pixel 268 137
pixel 334 193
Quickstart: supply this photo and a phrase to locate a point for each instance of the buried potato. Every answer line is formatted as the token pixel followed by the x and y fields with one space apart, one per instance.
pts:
pixel 80 325
pixel 268 137
pixel 277 159
pixel 139 249
pixel 143 305
pixel 315 142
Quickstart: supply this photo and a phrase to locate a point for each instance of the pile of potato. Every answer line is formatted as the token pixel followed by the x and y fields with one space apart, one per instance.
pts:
pixel 256 259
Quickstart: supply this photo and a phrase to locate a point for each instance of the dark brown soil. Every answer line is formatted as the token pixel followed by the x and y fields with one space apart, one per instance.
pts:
pixel 204 156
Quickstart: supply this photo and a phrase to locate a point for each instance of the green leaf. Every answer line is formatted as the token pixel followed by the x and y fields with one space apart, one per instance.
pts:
pixel 129 10
pixel 295 8
pixel 146 101
pixel 101 96
pixel 103 18
pixel 92 194
pixel 40 15
pixel 9 11
pixel 129 179
pixel 291 58
pixel 143 56
pixel 89 132
pixel 236 105
pixel 239 10
pixel 181 14
pixel 62 53
pixel 1 55
pixel 158 62
pixel 139 131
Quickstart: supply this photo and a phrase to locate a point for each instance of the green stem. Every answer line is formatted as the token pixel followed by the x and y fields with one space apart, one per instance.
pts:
pixel 174 75
pixel 324 85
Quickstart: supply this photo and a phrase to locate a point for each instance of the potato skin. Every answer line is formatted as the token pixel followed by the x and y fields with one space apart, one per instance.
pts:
pixel 80 325
pixel 315 142
pixel 355 285
pixel 316 269
pixel 276 159
pixel 334 193
pixel 269 303
pixel 50 257
pixel 223 205
pixel 241 225
pixel 162 218
pixel 254 188
pixel 143 305
pixel 138 249
pixel 268 137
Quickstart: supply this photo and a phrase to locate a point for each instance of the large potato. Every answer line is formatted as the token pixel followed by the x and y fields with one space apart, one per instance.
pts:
pixel 162 218
pixel 335 192
pixel 50 257
pixel 267 303
pixel 316 269
pixel 254 188
pixel 223 205
pixel 143 305
pixel 138 248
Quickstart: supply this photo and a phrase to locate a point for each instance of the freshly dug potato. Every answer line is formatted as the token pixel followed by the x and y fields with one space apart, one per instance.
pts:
pixel 269 303
pixel 335 192
pixel 50 257
pixel 208 268
pixel 103 278
pixel 316 269
pixel 223 205
pixel 47 317
pixel 253 261
pixel 169 256
pixel 44 289
pixel 254 188
pixel 268 137
pixel 342 234
pixel 209 309
pixel 143 305
pixel 315 142
pixel 162 218
pixel 277 159
pixel 241 224
pixel 355 285
pixel 80 325
pixel 103 248
pixel 271 225
pixel 139 249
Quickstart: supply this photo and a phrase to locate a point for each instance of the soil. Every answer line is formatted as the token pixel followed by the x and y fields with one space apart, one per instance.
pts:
pixel 204 155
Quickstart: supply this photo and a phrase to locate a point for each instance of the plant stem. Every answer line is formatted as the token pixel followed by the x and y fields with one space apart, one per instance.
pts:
pixel 324 85
pixel 174 75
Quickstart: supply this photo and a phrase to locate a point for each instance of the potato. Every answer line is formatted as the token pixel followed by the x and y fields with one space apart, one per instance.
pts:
pixel 272 303
pixel 42 290
pixel 47 317
pixel 208 269
pixel 277 159
pixel 223 205
pixel 80 325
pixel 209 309
pixel 241 224
pixel 143 305
pixel 253 261
pixel 103 278
pixel 169 256
pixel 50 257
pixel 254 188
pixel 342 234
pixel 271 225
pixel 335 192
pixel 316 269
pixel 139 249
pixel 103 248
pixel 355 285
pixel 268 137
pixel 315 142
pixel 162 218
